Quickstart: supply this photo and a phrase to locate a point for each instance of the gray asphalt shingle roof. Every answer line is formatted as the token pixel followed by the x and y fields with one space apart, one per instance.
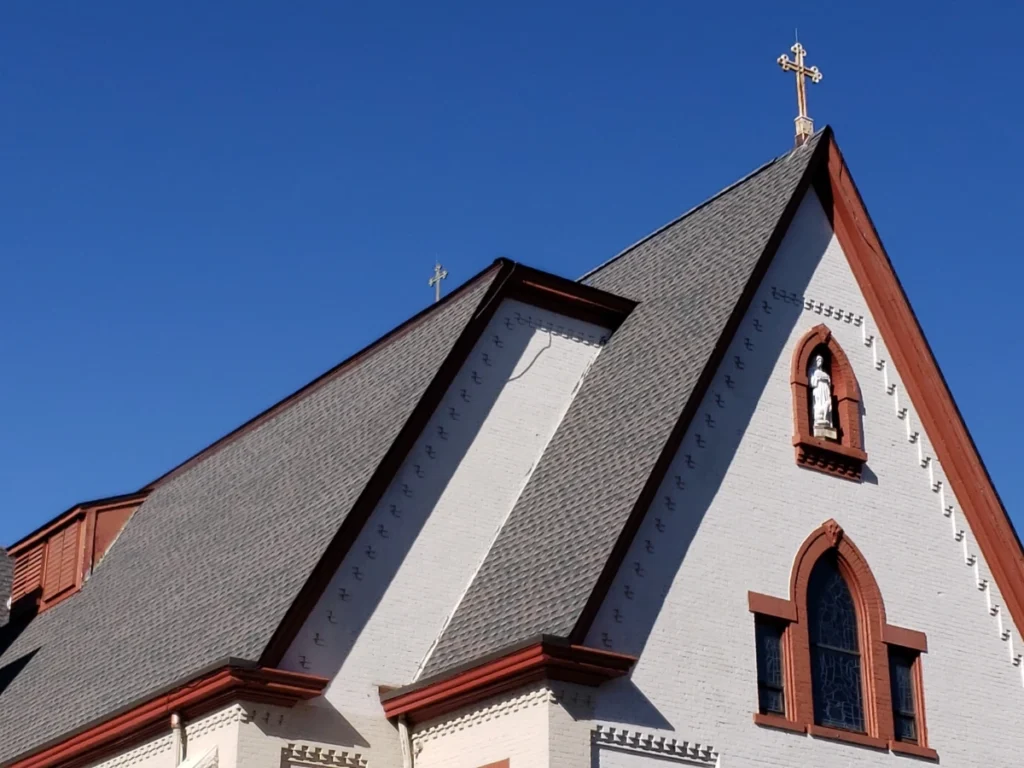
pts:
pixel 687 279
pixel 208 565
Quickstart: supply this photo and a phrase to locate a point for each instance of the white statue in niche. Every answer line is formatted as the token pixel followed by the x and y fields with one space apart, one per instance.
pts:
pixel 821 404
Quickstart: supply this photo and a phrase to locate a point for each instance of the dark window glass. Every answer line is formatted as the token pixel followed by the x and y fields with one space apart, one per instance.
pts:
pixel 770 692
pixel 904 709
pixel 835 657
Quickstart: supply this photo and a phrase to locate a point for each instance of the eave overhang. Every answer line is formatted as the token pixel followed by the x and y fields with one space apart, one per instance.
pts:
pixel 233 680
pixel 547 658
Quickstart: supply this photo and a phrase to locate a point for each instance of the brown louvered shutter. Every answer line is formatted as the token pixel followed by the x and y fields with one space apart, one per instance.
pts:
pixel 28 571
pixel 62 552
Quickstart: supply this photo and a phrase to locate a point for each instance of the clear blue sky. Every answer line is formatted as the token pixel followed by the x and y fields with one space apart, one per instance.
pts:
pixel 205 205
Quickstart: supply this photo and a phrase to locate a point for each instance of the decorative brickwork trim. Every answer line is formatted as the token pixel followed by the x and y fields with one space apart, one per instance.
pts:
pixel 228 716
pixel 626 740
pixel 139 754
pixel 845 458
pixel 470 717
pixel 308 755
pixel 199 696
pixel 875 635
pixel 548 659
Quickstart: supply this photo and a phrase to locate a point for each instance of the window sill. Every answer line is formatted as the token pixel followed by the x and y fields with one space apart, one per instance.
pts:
pixel 915 750
pixel 850 737
pixel 778 721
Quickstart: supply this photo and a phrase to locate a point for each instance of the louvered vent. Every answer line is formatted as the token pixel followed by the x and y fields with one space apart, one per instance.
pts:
pixel 28 571
pixel 63 560
pixel 53 563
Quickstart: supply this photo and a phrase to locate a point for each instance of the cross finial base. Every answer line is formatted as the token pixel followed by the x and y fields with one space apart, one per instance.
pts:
pixel 804 129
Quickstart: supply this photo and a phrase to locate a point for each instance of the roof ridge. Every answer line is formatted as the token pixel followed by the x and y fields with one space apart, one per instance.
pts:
pixel 327 375
pixel 481 620
pixel 686 214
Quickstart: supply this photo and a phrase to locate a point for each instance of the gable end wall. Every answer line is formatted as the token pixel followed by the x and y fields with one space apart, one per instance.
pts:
pixel 734 508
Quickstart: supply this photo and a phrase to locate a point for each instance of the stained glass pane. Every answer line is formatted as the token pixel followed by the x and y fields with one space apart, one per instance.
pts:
pixel 901 672
pixel 833 616
pixel 835 658
pixel 769 666
pixel 838 701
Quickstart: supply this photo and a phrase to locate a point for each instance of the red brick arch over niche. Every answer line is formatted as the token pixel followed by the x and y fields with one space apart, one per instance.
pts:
pixel 844 457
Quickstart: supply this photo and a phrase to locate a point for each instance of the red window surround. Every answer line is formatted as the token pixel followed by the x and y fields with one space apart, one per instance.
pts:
pixel 876 635
pixel 844 457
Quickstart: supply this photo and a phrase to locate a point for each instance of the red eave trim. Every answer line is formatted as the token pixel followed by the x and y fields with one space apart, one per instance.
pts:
pixel 542 660
pixel 43 532
pixel 271 686
pixel 925 384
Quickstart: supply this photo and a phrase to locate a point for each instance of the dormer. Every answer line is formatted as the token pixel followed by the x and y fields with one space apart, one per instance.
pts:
pixel 53 562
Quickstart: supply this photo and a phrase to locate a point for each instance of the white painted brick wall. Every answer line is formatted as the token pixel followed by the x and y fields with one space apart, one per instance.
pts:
pixel 218 729
pixel 309 734
pixel 514 727
pixel 387 603
pixel 734 520
pixel 540 726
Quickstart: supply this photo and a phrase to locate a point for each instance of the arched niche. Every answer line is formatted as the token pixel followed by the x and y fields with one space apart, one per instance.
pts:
pixel 840 453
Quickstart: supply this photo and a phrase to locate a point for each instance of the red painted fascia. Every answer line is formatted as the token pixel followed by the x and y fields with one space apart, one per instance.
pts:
pixel 543 660
pixel 201 695
pixel 26 542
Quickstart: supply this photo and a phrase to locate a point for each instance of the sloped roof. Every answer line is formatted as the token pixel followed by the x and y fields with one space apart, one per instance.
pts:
pixel 210 563
pixel 690 279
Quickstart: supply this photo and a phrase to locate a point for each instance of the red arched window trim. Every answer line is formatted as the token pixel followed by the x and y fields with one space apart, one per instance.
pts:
pixel 846 457
pixel 875 635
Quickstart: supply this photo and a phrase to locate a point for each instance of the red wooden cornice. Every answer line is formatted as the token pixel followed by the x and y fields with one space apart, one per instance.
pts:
pixel 547 659
pixel 197 697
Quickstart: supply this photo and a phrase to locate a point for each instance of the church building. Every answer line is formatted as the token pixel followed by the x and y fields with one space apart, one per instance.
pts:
pixel 712 504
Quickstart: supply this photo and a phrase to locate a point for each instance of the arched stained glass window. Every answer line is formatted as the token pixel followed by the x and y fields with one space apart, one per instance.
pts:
pixel 835 656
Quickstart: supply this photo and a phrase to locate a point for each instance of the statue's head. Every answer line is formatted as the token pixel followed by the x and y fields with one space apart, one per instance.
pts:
pixel 818 361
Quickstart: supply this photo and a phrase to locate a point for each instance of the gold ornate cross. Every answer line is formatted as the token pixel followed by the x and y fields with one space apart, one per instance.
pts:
pixel 804 124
